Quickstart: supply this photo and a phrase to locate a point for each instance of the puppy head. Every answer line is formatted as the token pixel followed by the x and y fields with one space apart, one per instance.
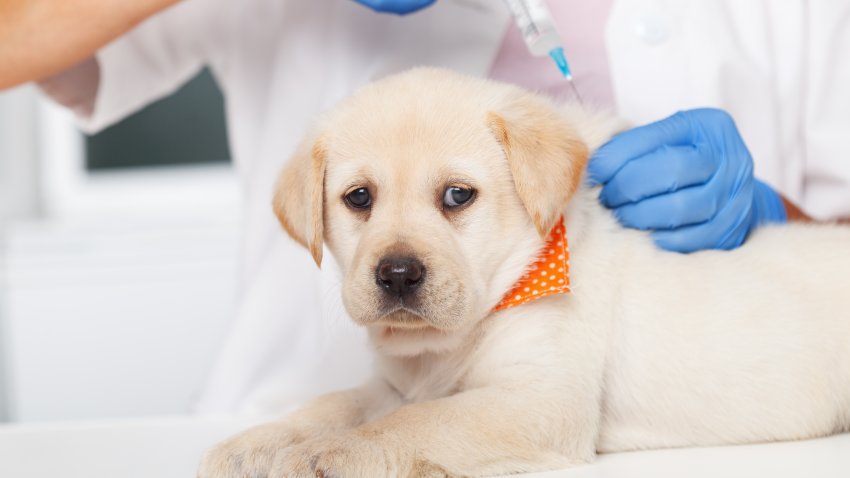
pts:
pixel 424 186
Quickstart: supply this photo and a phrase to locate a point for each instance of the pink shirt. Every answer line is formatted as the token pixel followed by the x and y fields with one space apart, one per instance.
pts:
pixel 582 27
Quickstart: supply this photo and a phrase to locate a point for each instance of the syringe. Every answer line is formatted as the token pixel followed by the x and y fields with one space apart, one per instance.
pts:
pixel 541 37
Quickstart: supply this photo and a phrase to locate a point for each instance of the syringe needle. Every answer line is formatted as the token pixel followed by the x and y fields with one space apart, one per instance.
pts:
pixel 575 90
pixel 557 54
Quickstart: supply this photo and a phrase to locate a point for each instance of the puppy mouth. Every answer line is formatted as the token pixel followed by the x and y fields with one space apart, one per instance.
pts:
pixel 403 318
pixel 403 323
pixel 396 314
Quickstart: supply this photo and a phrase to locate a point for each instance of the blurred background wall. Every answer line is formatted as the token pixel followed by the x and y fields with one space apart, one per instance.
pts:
pixel 118 257
pixel 18 198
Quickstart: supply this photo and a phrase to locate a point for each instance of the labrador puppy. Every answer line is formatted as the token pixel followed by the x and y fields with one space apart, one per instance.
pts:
pixel 436 193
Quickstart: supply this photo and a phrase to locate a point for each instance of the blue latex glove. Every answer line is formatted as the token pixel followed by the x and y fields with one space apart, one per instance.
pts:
pixel 689 179
pixel 399 7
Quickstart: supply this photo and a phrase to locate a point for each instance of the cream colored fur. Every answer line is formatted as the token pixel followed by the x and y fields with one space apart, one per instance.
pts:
pixel 651 349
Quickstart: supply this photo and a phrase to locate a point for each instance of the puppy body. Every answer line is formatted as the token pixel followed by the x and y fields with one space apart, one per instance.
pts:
pixel 662 350
pixel 728 347
pixel 650 349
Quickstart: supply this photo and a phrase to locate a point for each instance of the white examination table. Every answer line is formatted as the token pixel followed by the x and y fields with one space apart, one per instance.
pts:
pixel 171 447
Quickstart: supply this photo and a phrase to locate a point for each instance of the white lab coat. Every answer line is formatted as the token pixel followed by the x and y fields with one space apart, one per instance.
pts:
pixel 781 68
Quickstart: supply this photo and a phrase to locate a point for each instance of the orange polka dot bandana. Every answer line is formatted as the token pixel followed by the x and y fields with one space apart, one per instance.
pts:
pixel 550 273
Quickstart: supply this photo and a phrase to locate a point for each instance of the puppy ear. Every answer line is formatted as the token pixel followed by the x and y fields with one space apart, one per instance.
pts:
pixel 299 196
pixel 546 157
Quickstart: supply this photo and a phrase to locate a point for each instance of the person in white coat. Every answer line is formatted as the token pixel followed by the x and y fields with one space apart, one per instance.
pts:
pixel 778 68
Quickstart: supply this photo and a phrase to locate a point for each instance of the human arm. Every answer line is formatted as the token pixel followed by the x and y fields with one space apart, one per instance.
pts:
pixel 148 62
pixel 40 38
pixel 795 214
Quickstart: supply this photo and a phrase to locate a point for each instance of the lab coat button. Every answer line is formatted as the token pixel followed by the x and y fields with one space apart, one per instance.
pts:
pixel 653 29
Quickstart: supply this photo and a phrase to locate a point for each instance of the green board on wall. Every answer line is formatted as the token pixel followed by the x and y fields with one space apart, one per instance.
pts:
pixel 187 127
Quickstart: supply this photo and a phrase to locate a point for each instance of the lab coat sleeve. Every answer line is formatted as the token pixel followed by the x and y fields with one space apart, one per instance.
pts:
pixel 156 58
pixel 826 189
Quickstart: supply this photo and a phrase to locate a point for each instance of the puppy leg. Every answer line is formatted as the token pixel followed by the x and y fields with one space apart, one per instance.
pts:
pixel 478 432
pixel 252 452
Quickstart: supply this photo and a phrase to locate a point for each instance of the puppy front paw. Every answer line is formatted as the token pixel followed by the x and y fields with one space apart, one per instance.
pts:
pixel 350 455
pixel 250 453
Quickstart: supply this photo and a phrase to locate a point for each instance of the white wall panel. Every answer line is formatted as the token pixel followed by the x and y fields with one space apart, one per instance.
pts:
pixel 116 319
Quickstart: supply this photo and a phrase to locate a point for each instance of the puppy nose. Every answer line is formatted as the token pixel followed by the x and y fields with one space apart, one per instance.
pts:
pixel 399 275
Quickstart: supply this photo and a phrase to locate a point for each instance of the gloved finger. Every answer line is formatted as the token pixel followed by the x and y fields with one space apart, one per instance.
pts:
pixel 612 156
pixel 401 7
pixel 664 170
pixel 727 230
pixel 684 207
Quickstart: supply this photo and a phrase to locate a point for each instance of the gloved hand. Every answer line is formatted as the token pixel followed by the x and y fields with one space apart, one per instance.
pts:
pixel 399 7
pixel 688 178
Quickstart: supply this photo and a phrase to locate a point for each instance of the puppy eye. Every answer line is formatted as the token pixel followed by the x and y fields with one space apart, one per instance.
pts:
pixel 359 198
pixel 457 196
